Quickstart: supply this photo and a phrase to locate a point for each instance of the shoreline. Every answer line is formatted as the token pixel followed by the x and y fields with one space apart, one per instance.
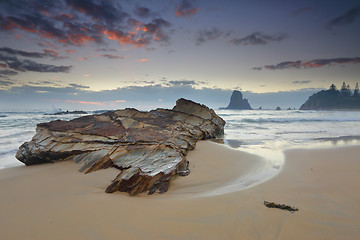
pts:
pixel 322 183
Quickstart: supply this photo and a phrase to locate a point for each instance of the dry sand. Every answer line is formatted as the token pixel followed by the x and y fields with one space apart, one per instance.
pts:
pixel 55 201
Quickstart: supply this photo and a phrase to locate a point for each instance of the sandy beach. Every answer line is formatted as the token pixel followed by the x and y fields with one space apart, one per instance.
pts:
pixel 55 201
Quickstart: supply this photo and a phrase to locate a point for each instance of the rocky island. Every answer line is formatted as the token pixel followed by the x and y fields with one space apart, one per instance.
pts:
pixel 237 102
pixel 67 112
pixel 148 148
pixel 334 99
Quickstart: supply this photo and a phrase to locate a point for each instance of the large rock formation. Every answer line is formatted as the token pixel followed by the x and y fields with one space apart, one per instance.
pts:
pixel 148 148
pixel 237 102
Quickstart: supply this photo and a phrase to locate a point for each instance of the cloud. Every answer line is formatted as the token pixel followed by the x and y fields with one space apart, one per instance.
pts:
pixel 143 12
pixel 74 85
pixel 155 28
pixel 24 65
pixel 142 82
pixel 5 83
pixel 143 34
pixel 143 60
pixel 111 56
pixel 258 38
pixel 185 9
pixel 69 51
pixel 106 11
pixel 41 83
pixel 7 72
pixel 302 82
pixel 203 36
pixel 181 83
pixel 316 63
pixel 79 22
pixel 46 53
pixel 349 17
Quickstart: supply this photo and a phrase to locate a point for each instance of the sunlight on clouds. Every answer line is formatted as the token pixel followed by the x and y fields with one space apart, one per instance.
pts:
pixel 143 60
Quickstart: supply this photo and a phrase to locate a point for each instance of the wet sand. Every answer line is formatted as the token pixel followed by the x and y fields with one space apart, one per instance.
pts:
pixel 55 201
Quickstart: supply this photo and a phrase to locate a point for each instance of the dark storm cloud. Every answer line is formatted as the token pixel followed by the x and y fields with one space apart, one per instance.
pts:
pixel 44 54
pixel 78 22
pixel 316 63
pixel 185 9
pixel 258 38
pixel 302 82
pixel 24 65
pixel 349 17
pixel 74 85
pixel 203 36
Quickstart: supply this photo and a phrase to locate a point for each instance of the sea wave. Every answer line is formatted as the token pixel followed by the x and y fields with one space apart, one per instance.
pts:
pixel 300 120
pixel 17 134
pixel 9 152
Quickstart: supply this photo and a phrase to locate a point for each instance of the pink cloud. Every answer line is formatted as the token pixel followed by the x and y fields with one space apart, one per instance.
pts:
pixel 143 60
pixel 185 9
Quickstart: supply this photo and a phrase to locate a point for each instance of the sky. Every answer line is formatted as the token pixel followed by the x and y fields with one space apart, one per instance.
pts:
pixel 98 54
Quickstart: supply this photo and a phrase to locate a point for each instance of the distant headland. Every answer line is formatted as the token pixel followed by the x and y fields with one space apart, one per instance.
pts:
pixel 67 112
pixel 333 99
pixel 237 102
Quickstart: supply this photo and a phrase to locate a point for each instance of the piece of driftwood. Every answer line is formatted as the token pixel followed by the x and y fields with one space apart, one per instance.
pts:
pixel 280 206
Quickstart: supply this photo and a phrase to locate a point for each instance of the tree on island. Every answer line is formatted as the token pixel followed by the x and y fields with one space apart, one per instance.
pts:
pixel 356 90
pixel 345 90
pixel 332 88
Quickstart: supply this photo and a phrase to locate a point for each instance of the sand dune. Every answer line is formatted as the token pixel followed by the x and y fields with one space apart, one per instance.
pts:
pixel 55 201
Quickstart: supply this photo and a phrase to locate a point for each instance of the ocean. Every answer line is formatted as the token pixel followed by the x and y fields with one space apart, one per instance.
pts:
pixel 263 132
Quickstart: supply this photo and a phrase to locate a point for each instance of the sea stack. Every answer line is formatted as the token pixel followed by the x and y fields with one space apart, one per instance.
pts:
pixel 237 102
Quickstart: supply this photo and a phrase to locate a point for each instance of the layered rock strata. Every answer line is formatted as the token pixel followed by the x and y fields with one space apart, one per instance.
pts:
pixel 148 148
